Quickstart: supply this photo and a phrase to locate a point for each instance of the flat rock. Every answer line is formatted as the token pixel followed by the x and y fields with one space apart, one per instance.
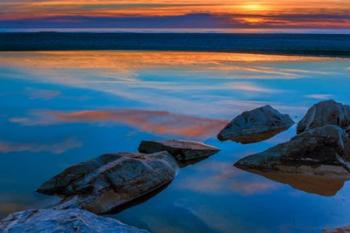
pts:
pixel 183 151
pixel 325 113
pixel 322 150
pixel 62 221
pixel 256 125
pixel 112 180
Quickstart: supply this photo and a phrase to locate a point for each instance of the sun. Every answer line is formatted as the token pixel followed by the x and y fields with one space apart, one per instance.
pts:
pixel 253 7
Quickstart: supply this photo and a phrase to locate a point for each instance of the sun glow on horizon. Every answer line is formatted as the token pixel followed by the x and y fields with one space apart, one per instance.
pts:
pixel 254 7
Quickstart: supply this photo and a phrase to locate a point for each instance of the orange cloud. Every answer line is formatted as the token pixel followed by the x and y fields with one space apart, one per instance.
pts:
pixel 244 10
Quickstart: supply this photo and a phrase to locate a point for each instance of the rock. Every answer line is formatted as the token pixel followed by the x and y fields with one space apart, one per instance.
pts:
pixel 182 150
pixel 324 149
pixel 325 113
pixel 338 230
pixel 109 181
pixel 62 221
pixel 256 125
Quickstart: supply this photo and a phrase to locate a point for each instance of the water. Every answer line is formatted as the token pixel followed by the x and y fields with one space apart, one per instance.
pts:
pixel 60 108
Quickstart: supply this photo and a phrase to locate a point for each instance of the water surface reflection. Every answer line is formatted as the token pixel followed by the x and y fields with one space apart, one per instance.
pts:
pixel 60 108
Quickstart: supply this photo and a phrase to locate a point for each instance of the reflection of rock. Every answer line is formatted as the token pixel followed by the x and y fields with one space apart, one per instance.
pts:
pixel 109 181
pixel 256 125
pixel 322 185
pixel 69 220
pixel 323 149
pixel 323 113
pixel 338 230
pixel 182 150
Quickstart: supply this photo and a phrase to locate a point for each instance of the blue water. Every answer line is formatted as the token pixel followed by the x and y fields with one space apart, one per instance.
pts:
pixel 60 108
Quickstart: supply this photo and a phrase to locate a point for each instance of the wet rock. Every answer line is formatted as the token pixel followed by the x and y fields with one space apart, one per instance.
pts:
pixel 62 221
pixel 182 150
pixel 324 113
pixel 112 180
pixel 338 230
pixel 256 125
pixel 325 149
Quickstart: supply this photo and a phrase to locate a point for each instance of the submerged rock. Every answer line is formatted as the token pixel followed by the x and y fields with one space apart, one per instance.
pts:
pixel 256 125
pixel 109 181
pixel 338 230
pixel 322 150
pixel 324 113
pixel 182 150
pixel 62 221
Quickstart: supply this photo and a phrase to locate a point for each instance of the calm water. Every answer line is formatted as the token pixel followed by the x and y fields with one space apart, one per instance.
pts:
pixel 60 108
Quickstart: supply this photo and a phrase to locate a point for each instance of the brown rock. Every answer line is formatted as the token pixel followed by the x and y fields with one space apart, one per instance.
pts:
pixel 324 113
pixel 256 125
pixel 325 149
pixel 109 181
pixel 182 150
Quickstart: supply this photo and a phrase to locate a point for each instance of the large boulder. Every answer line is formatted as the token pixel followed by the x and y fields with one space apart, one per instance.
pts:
pixel 324 113
pixel 109 181
pixel 321 150
pixel 183 151
pixel 256 125
pixel 62 221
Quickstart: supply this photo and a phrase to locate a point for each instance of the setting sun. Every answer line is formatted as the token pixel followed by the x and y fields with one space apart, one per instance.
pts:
pixel 254 7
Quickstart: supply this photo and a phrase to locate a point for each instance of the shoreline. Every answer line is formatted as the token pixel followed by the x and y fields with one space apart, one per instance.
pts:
pixel 330 45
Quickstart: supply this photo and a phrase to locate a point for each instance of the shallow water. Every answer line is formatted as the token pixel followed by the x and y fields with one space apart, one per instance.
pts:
pixel 60 108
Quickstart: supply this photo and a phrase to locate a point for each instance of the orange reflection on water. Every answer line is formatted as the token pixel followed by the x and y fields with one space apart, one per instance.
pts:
pixel 128 63
pixel 158 122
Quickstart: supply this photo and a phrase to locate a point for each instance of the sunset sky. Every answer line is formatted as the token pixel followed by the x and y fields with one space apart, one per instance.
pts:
pixel 190 14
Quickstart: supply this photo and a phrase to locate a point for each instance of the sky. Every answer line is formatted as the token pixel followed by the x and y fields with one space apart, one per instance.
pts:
pixel 188 14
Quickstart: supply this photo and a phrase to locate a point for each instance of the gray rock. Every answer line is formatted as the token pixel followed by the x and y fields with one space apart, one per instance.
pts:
pixel 322 150
pixel 324 113
pixel 182 150
pixel 109 181
pixel 256 125
pixel 62 221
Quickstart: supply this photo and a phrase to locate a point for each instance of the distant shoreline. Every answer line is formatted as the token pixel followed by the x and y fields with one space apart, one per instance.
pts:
pixel 335 45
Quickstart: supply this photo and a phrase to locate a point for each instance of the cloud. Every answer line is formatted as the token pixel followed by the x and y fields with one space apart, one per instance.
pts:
pixel 313 20
pixel 158 122
pixel 55 148
pixel 179 14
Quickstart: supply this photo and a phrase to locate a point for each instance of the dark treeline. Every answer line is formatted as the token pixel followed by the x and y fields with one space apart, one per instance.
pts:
pixel 295 44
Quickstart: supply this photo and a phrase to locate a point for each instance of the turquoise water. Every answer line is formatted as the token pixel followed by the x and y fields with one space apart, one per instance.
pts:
pixel 60 108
